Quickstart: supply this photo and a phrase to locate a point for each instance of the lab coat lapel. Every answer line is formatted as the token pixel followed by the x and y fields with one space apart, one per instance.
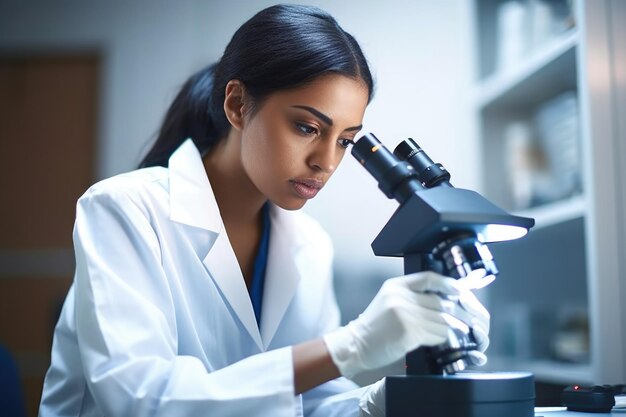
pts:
pixel 193 203
pixel 284 270
pixel 224 268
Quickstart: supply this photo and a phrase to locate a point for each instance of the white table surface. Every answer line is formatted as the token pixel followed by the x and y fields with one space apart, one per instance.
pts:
pixel 562 412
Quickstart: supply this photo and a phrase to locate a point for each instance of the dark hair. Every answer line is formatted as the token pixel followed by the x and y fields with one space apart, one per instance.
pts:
pixel 281 47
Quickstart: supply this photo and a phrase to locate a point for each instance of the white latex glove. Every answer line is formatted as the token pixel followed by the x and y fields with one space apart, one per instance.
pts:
pixel 408 312
pixel 479 323
pixel 466 310
pixel 372 401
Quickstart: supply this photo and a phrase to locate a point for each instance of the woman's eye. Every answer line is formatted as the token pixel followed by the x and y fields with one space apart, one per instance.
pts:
pixel 344 143
pixel 306 129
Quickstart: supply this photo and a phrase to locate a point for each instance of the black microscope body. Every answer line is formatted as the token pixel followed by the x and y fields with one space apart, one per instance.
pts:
pixel 444 229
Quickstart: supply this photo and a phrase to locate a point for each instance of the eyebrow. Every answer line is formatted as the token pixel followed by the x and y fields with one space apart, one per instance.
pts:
pixel 324 118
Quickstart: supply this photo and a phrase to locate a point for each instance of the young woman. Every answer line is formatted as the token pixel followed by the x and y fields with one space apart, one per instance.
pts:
pixel 199 289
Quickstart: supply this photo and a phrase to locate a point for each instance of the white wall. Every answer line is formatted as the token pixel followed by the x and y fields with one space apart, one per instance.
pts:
pixel 418 50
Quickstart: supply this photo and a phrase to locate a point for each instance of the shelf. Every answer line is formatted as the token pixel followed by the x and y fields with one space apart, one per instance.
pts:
pixel 544 370
pixel 572 262
pixel 555 213
pixel 543 75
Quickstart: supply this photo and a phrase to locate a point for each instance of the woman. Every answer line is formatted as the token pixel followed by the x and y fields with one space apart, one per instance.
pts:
pixel 199 290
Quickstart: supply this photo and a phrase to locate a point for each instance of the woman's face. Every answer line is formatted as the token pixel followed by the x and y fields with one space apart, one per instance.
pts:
pixel 294 142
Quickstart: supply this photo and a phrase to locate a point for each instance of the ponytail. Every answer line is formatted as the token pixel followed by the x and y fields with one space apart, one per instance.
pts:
pixel 191 115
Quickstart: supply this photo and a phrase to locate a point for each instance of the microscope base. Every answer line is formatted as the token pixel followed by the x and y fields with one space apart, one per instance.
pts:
pixel 497 394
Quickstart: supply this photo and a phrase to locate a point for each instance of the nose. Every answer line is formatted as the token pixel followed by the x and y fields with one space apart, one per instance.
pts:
pixel 324 157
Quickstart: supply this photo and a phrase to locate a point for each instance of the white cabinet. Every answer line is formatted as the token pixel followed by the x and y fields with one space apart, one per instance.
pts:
pixel 550 103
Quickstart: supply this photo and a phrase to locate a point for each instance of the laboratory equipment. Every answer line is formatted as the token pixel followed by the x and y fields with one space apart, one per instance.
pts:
pixel 594 399
pixel 445 229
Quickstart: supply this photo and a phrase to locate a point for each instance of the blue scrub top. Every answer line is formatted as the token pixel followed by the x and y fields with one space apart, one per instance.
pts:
pixel 260 264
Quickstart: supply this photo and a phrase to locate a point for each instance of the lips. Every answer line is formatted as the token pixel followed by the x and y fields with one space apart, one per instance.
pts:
pixel 307 188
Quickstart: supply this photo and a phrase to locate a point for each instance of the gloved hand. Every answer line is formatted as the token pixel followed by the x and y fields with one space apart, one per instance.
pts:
pixel 471 312
pixel 479 324
pixel 408 312
pixel 372 401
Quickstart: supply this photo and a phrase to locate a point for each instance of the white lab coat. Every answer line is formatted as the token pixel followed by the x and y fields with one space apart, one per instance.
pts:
pixel 159 322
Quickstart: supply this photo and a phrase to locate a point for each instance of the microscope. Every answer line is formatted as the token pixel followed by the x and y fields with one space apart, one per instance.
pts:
pixel 444 229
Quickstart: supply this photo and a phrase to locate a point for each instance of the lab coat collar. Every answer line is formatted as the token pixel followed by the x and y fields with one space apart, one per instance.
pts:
pixel 192 202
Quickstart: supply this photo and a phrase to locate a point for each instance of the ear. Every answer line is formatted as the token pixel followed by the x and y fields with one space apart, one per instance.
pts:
pixel 234 103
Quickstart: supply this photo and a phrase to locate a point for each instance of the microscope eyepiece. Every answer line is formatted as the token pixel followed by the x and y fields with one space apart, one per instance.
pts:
pixel 428 172
pixel 396 178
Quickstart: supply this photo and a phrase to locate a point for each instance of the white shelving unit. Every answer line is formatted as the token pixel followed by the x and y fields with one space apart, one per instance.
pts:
pixel 557 307
pixel 536 73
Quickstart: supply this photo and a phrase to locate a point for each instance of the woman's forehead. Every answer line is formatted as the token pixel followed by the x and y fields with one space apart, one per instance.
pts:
pixel 335 95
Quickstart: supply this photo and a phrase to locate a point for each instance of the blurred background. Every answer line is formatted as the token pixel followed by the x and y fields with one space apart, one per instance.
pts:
pixel 519 99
